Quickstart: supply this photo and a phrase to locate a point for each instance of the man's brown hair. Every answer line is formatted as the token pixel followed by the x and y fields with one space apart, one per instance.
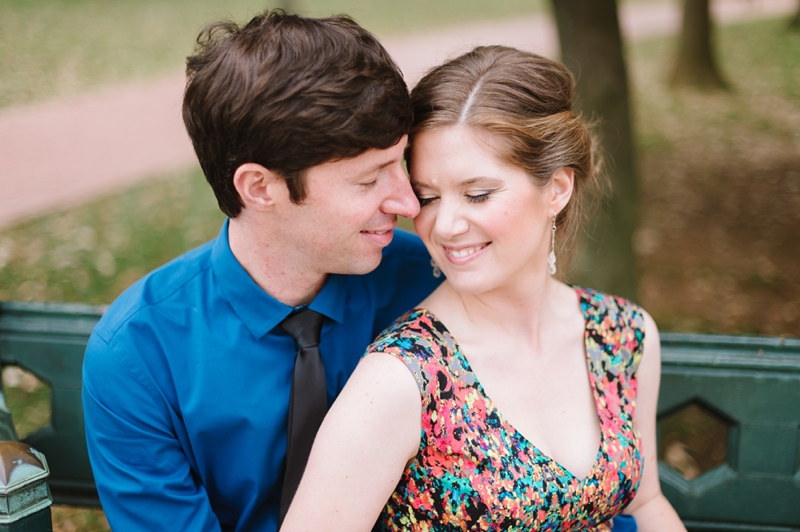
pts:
pixel 288 93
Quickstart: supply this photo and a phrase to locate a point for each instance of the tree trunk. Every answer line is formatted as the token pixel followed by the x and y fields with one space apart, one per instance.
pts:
pixel 795 22
pixel 696 65
pixel 591 47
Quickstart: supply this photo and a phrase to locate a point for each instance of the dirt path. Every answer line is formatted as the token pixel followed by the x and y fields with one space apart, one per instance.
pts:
pixel 58 154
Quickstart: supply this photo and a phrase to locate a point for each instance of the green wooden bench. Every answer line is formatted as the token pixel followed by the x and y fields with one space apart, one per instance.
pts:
pixel 753 383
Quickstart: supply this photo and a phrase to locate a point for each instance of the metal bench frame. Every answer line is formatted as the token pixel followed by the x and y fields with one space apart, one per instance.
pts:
pixel 751 382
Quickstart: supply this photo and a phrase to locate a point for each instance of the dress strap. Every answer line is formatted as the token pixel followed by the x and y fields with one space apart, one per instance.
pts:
pixel 614 333
pixel 422 343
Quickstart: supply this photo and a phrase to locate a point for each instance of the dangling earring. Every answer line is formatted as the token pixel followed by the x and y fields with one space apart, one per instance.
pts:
pixel 436 271
pixel 551 259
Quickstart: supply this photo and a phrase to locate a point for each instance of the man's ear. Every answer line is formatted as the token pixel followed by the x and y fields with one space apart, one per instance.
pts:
pixel 257 186
pixel 561 187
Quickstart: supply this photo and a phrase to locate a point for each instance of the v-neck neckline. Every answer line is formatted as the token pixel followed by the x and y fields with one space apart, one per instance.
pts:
pixel 492 406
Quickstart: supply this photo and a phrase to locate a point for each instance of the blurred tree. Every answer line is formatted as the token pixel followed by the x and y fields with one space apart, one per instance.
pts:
pixel 591 47
pixel 795 22
pixel 696 65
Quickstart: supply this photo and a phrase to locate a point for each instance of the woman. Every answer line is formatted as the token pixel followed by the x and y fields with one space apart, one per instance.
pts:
pixel 537 399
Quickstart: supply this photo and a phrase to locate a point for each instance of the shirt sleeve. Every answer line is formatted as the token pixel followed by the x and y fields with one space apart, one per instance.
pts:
pixel 143 476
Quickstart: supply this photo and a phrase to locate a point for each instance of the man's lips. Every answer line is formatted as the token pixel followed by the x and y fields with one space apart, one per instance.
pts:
pixel 381 237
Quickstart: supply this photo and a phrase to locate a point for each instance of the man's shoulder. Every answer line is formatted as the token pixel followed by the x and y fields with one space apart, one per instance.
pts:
pixel 171 283
pixel 405 256
pixel 405 246
pixel 403 279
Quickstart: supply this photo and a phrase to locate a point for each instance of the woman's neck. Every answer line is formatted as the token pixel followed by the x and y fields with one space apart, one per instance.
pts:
pixel 522 310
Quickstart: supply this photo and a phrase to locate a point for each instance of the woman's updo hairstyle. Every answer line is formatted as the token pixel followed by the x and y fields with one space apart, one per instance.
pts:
pixel 524 104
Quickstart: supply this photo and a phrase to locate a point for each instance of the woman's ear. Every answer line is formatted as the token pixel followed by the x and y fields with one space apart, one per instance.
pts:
pixel 561 186
pixel 257 186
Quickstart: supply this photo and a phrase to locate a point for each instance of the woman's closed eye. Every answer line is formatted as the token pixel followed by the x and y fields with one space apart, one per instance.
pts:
pixel 471 198
pixel 425 200
pixel 478 198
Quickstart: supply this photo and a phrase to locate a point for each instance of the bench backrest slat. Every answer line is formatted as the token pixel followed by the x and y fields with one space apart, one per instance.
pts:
pixel 49 341
pixel 753 383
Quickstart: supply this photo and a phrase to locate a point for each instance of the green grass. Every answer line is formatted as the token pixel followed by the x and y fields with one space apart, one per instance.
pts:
pixel 30 409
pixel 92 253
pixel 57 48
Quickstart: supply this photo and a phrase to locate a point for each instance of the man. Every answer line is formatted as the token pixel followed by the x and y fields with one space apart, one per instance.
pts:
pixel 300 126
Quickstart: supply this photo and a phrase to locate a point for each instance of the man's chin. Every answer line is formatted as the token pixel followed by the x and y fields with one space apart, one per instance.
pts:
pixel 367 268
pixel 361 266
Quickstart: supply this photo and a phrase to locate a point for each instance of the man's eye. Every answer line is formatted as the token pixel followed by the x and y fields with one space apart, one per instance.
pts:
pixel 370 184
pixel 478 198
pixel 425 201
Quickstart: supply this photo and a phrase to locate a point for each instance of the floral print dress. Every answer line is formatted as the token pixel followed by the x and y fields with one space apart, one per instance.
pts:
pixel 474 471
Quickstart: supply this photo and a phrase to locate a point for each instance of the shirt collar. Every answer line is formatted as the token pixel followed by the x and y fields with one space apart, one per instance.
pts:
pixel 259 311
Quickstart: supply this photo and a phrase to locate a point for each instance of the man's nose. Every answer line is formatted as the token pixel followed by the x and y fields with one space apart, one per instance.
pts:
pixel 401 199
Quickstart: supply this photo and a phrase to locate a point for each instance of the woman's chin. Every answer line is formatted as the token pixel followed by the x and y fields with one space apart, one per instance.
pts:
pixel 470 284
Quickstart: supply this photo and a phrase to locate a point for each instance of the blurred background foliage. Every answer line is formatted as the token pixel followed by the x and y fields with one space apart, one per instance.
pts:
pixel 63 47
pixel 719 171
pixel 719 214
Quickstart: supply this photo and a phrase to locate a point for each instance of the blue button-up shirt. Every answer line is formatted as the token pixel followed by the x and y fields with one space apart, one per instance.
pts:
pixel 187 377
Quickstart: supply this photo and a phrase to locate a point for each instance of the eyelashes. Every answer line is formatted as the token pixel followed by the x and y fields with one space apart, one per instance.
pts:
pixel 476 198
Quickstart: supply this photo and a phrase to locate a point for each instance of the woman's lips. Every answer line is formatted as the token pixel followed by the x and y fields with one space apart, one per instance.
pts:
pixel 464 254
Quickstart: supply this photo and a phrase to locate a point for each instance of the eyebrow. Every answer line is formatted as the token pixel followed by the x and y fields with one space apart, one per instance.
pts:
pixel 383 165
pixel 375 168
pixel 482 180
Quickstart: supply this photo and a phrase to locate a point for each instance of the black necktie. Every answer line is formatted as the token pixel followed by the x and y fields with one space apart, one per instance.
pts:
pixel 309 400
